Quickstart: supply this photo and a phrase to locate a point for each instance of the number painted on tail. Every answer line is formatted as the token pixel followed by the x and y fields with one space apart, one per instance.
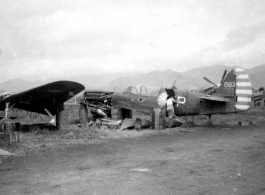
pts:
pixel 230 84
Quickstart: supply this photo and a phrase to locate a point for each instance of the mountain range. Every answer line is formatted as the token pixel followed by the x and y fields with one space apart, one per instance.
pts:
pixel 186 80
pixel 119 81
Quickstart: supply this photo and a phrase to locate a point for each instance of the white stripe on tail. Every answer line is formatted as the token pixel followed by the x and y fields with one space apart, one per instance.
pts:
pixel 243 90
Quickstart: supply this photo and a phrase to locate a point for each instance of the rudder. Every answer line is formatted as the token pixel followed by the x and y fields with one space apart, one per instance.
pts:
pixel 243 90
pixel 237 84
pixel 228 85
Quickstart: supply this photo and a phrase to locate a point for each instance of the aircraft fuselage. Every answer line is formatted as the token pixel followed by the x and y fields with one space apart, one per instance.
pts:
pixel 195 106
pixel 192 105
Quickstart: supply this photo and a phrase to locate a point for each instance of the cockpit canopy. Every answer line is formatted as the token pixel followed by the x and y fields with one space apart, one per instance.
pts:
pixel 142 90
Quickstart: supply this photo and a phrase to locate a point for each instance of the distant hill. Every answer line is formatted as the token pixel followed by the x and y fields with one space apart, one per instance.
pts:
pixel 120 81
pixel 18 85
pixel 214 73
pixel 90 81
pixel 186 80
pixel 95 81
pixel 257 75
pixel 154 78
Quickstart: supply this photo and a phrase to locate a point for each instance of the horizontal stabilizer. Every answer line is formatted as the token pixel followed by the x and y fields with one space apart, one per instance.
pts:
pixel 215 98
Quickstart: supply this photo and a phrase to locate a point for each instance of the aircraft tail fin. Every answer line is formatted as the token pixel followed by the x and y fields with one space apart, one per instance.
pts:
pixel 237 84
pixel 243 90
pixel 228 85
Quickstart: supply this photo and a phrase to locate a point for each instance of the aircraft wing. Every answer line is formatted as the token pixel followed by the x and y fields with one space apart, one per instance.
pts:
pixel 215 98
pixel 50 96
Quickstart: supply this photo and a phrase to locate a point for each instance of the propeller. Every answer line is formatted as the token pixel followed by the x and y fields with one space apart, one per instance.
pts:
pixel 210 81
pixel 224 75
pixel 174 84
pixel 162 99
pixel 213 82
pixel 52 118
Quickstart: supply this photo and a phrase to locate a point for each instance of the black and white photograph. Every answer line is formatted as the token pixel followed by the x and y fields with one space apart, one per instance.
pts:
pixel 140 97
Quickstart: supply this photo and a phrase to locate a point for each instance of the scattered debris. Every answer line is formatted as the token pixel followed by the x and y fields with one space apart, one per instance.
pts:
pixel 138 124
pixel 226 128
pixel 5 153
pixel 251 123
pixel 244 124
pixel 127 123
pixel 189 130
pixel 174 122
pixel 140 170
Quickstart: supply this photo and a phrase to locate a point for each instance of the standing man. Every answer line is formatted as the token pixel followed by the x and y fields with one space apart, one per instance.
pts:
pixel 170 106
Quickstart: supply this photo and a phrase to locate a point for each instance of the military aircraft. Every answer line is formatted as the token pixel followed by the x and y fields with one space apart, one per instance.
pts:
pixel 232 95
pixel 47 99
pixel 258 95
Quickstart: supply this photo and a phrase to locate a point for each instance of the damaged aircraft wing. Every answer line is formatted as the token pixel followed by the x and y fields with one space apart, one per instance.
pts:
pixel 49 97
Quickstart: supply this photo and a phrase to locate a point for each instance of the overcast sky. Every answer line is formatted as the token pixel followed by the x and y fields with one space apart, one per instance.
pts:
pixel 44 38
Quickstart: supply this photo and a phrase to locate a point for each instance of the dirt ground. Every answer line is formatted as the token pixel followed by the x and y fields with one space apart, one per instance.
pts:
pixel 224 159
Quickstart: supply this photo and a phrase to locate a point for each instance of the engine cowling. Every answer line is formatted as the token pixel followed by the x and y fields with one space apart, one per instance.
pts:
pixel 97 111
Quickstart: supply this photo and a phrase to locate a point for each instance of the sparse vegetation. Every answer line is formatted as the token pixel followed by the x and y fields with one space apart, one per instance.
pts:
pixel 43 138
pixel 38 139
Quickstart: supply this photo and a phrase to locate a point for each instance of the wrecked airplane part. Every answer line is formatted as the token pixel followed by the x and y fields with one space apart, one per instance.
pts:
pixel 232 95
pixel 99 102
pixel 173 122
pixel 49 97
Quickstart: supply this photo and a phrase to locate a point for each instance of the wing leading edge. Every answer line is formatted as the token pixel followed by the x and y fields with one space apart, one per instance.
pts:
pixel 50 96
pixel 215 98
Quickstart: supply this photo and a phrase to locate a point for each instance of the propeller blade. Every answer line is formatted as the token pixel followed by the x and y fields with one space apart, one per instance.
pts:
pixel 209 81
pixel 224 75
pixel 52 121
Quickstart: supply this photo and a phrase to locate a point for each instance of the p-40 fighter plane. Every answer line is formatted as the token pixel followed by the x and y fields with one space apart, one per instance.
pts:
pixel 232 95
pixel 47 99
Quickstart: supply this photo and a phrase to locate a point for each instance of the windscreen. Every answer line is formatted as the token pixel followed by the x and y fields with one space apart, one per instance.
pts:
pixel 142 90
